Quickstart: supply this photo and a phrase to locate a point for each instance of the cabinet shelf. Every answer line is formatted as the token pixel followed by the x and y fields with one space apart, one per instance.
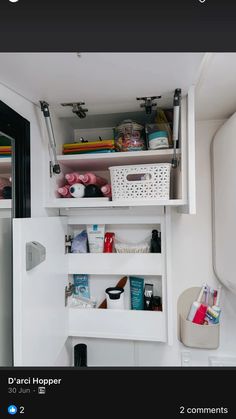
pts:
pixel 116 263
pixel 118 324
pixel 100 163
pixel 93 203
pixel 5 203
pixel 104 160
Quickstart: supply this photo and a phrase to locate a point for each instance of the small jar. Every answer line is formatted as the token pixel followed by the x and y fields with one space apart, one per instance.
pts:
pixel 158 140
pixel 115 298
pixel 129 136
pixel 156 303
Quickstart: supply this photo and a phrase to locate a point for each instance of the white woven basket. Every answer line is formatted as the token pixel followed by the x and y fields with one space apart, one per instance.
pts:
pixel 153 183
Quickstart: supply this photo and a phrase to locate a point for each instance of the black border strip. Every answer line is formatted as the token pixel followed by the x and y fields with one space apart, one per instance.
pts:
pixel 18 128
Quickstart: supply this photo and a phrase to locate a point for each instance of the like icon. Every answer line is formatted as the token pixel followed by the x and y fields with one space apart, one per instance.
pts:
pixel 12 409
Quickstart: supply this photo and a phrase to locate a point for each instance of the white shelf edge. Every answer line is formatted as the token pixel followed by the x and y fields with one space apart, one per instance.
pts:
pixel 116 155
pixel 5 203
pixel 103 161
pixel 109 324
pixel 115 263
pixel 74 203
pixel 74 333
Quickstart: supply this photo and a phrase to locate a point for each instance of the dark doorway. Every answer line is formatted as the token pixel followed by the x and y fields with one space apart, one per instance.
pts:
pixel 18 129
pixel 14 203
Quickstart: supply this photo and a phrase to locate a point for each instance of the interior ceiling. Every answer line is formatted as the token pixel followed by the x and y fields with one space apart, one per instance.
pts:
pixel 110 82
pixel 216 89
pixel 107 82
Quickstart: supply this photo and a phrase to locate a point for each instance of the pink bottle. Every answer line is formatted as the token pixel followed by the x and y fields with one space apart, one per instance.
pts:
pixel 106 190
pixel 92 179
pixel 73 178
pixel 64 191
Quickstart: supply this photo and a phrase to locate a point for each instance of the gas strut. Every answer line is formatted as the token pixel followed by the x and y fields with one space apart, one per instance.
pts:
pixel 177 99
pixel 45 109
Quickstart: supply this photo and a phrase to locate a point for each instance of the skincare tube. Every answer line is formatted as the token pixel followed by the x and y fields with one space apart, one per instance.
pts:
pixel 96 234
pixel 136 291
pixel 81 285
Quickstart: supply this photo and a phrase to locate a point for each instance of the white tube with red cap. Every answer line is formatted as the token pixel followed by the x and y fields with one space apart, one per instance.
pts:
pixel 196 304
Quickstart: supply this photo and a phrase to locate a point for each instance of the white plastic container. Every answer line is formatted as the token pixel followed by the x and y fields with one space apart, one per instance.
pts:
pixel 191 334
pixel 140 182
pixel 199 336
pixel 115 298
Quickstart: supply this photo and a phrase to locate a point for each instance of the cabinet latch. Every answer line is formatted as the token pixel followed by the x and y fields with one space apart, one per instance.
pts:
pixel 68 292
pixel 179 162
pixel 68 243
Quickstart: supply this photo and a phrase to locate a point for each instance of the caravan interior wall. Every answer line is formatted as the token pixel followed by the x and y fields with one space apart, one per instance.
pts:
pixel 224 203
pixel 191 252
pixel 192 265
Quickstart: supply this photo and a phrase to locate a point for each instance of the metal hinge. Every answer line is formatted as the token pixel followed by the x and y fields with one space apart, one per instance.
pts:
pixel 68 292
pixel 68 242
pixel 176 162
pixel 50 169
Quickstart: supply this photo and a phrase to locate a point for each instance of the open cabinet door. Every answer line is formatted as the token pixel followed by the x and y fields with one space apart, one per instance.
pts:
pixel 40 318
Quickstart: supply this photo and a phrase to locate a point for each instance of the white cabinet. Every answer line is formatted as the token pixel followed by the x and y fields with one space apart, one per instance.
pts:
pixel 42 322
pixel 182 191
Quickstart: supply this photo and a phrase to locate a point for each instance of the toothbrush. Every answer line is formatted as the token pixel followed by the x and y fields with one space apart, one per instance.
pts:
pixel 201 310
pixel 207 292
pixel 214 297
pixel 196 304
pixel 213 313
